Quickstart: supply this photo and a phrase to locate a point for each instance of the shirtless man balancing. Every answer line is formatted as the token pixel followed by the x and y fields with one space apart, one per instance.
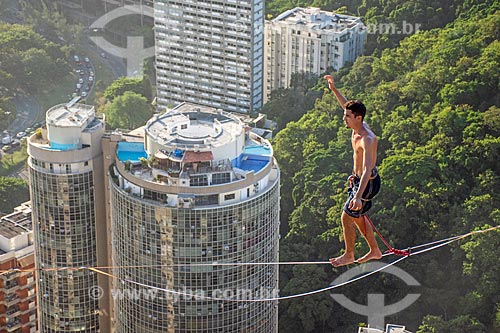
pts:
pixel 364 181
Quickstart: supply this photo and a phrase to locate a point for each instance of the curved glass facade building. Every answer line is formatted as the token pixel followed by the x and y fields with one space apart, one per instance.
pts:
pixel 192 194
pixel 65 164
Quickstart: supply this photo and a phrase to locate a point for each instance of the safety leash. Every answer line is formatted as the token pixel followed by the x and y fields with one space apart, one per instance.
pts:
pixel 401 253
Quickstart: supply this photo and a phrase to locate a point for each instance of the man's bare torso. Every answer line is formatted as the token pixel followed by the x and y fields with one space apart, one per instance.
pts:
pixel 361 140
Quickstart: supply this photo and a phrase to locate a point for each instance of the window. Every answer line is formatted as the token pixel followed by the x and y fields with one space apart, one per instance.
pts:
pixel 221 178
pixel 230 196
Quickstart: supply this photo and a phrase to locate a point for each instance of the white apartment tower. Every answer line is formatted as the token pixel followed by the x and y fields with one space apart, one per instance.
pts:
pixel 309 41
pixel 210 53
pixel 69 224
pixel 192 194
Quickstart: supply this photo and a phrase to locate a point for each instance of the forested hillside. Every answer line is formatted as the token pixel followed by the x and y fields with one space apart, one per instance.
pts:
pixel 26 58
pixel 434 103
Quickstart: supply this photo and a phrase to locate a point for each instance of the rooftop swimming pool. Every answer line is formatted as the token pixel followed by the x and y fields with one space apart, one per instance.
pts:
pixel 130 151
pixel 258 150
pixel 251 162
pixel 64 147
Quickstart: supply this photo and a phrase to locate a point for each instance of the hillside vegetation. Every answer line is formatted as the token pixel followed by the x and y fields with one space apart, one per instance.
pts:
pixel 434 103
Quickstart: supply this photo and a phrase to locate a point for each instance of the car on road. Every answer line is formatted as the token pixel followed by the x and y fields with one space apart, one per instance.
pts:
pixel 84 94
pixel 6 139
pixel 76 58
pixel 80 80
pixel 91 78
pixel 21 135
pixel 87 60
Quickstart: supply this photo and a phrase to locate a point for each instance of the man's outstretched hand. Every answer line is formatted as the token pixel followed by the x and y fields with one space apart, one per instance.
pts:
pixel 329 78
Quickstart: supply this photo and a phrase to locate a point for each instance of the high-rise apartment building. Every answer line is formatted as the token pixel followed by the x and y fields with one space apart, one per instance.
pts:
pixel 309 41
pixel 17 282
pixel 67 195
pixel 210 53
pixel 192 194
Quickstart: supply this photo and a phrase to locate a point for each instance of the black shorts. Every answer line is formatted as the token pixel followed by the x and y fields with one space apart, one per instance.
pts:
pixel 371 190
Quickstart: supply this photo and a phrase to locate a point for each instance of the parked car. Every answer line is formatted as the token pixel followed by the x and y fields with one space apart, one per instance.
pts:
pixel 15 144
pixel 6 139
pixel 20 135
pixel 84 94
pixel 6 148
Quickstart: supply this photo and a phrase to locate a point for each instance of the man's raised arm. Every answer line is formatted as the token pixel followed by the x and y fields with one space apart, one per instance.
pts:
pixel 342 100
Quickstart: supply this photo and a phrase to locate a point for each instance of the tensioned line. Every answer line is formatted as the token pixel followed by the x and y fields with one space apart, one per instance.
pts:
pixel 201 297
pixel 435 245
pixel 215 263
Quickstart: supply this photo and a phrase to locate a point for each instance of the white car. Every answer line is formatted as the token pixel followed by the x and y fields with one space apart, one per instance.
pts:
pixel 87 59
pixel 91 78
pixel 20 135
pixel 84 94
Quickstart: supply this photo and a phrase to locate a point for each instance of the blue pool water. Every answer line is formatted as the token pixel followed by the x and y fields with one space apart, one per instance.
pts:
pixel 130 151
pixel 251 162
pixel 258 150
pixel 64 146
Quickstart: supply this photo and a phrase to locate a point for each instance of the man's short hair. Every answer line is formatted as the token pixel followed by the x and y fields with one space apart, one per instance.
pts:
pixel 356 107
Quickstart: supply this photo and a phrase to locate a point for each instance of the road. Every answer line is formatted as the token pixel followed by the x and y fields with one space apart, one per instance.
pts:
pixel 27 109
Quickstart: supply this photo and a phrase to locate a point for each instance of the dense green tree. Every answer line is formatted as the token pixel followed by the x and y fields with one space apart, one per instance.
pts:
pixel 13 191
pixel 435 324
pixel 141 86
pixel 128 111
pixel 26 58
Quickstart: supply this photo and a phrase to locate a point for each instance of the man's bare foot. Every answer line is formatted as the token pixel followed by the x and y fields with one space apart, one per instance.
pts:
pixel 342 260
pixel 372 255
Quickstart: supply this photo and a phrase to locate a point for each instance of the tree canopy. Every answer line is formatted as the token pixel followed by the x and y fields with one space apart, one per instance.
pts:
pixel 13 191
pixel 141 86
pixel 27 57
pixel 127 111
